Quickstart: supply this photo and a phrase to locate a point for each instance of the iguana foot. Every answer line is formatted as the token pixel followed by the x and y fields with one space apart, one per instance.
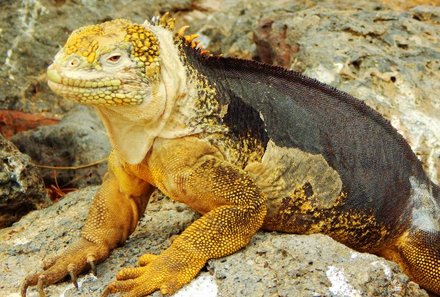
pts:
pixel 80 256
pixel 167 272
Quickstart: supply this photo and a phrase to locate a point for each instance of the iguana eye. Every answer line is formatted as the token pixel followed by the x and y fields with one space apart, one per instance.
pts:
pixel 114 58
pixel 73 62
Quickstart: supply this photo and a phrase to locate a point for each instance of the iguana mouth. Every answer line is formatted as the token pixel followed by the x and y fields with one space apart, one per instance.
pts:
pixel 92 92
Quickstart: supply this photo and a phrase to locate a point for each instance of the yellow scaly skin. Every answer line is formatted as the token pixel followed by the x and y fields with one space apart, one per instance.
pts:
pixel 116 64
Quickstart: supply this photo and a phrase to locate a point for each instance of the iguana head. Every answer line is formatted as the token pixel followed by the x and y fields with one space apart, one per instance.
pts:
pixel 132 73
pixel 110 64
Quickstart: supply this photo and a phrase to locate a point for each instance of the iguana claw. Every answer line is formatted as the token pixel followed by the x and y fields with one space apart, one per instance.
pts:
pixel 106 292
pixel 91 261
pixel 40 286
pixel 23 287
pixel 73 278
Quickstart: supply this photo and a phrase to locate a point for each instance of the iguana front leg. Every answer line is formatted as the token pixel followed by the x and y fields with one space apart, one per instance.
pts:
pixel 112 217
pixel 193 172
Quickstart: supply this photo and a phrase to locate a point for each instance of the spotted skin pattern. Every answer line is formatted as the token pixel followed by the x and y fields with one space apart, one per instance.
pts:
pixel 208 140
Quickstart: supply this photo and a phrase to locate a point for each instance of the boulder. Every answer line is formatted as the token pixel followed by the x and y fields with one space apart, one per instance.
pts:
pixel 21 186
pixel 385 54
pixel 79 139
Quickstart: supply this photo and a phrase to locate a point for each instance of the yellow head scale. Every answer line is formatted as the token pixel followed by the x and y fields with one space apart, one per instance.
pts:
pixel 145 45
pixel 93 40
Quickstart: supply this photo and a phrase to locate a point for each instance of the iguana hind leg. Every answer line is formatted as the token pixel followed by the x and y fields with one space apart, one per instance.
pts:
pixel 420 251
pixel 113 216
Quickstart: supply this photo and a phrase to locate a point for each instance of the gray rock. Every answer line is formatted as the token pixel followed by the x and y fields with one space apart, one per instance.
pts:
pixel 272 265
pixel 21 186
pixel 78 139
pixel 308 265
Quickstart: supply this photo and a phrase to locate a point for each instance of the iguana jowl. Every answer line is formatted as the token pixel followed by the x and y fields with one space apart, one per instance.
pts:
pixel 248 145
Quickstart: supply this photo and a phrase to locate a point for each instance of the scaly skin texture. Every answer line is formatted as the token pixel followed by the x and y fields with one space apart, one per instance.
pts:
pixel 192 171
pixel 197 128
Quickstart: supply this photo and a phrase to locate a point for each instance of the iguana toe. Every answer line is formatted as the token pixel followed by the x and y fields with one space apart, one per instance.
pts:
pixel 51 276
pixel 31 280
pixel 146 259
pixel 49 262
pixel 135 282
pixel 119 286
pixel 28 281
pixel 141 286
pixel 130 273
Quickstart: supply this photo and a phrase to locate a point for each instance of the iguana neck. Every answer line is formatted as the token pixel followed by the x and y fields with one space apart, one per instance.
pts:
pixel 182 103
pixel 132 129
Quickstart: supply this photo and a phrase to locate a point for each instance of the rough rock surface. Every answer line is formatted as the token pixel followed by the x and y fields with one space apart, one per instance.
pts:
pixel 78 139
pixel 21 186
pixel 272 265
pixel 287 265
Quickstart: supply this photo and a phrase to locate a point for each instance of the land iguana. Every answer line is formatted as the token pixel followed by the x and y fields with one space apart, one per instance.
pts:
pixel 249 146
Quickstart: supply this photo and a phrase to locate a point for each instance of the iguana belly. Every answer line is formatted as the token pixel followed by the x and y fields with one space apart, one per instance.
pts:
pixel 305 195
